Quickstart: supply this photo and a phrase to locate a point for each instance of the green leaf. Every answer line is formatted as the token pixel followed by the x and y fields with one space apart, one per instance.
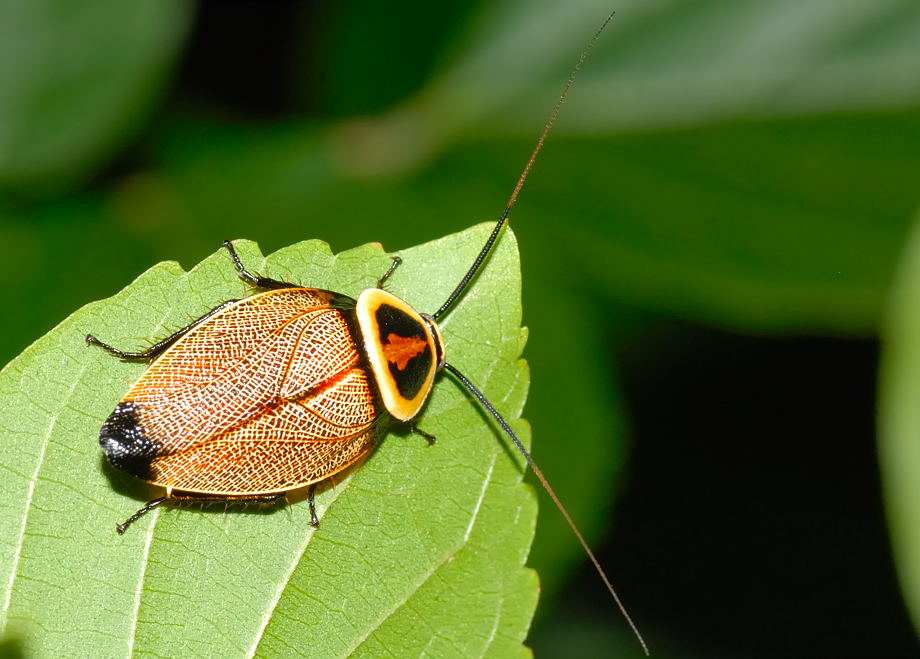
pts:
pixel 76 79
pixel 899 422
pixel 660 65
pixel 420 550
pixel 781 226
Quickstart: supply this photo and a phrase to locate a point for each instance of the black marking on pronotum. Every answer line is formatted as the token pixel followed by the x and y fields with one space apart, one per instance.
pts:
pixel 409 340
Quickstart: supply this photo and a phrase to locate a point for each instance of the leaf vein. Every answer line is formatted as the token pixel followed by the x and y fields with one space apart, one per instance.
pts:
pixel 282 585
pixel 30 492
pixel 434 570
pixel 139 590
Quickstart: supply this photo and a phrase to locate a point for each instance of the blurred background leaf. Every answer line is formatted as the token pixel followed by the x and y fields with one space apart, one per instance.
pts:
pixel 719 167
pixel 899 421
pixel 77 82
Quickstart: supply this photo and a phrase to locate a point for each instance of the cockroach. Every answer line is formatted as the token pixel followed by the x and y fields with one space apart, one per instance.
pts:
pixel 287 387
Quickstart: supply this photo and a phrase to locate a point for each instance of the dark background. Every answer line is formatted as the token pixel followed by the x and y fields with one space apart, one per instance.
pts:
pixel 706 262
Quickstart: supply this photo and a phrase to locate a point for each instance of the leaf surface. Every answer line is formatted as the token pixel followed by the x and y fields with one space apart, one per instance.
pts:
pixel 420 550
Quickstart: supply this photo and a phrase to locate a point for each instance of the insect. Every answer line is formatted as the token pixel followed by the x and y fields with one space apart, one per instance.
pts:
pixel 285 388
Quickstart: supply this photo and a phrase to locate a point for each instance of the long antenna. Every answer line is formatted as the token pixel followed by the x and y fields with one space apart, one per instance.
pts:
pixel 458 291
pixel 549 490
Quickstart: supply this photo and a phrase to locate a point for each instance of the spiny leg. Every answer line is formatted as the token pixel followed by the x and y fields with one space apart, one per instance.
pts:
pixel 386 275
pixel 253 278
pixel 143 510
pixel 160 346
pixel 197 498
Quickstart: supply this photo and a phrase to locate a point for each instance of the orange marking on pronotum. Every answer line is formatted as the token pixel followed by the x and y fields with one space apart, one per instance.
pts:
pixel 400 350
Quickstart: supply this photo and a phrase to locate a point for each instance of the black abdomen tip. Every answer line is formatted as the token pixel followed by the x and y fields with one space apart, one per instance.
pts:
pixel 125 443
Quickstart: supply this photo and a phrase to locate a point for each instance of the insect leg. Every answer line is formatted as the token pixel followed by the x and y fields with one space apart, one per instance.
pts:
pixel 146 508
pixel 386 275
pixel 314 520
pixel 160 346
pixel 197 498
pixel 254 279
pixel 418 431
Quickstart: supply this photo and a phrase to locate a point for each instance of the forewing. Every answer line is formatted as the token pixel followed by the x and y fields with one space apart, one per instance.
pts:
pixel 290 444
pixel 239 363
